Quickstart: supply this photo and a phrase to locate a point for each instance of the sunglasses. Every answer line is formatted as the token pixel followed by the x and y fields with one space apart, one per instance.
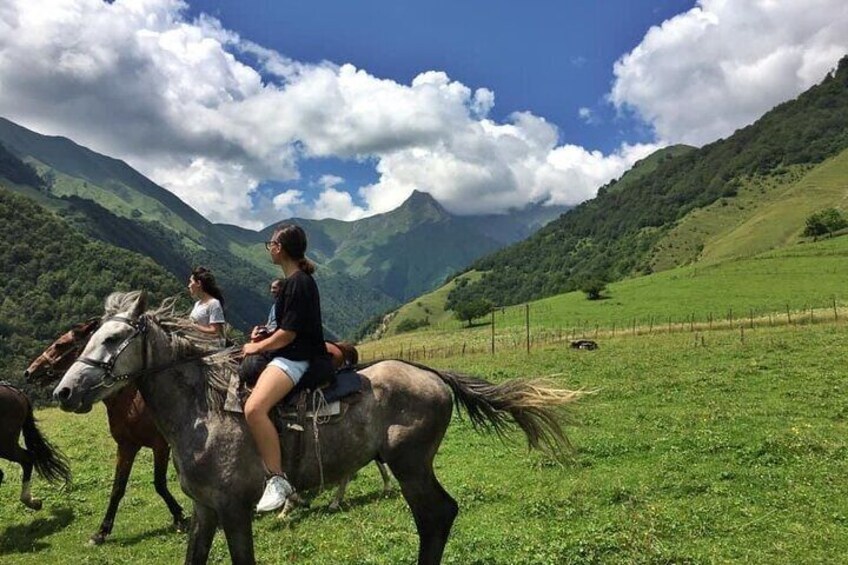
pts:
pixel 268 244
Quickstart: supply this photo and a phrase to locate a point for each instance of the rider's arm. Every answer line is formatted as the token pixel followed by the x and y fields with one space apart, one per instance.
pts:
pixel 214 329
pixel 277 340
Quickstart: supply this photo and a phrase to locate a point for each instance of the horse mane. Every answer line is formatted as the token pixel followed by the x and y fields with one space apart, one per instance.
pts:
pixel 217 367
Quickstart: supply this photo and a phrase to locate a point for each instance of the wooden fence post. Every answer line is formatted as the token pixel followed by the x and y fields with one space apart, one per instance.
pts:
pixel 493 331
pixel 527 324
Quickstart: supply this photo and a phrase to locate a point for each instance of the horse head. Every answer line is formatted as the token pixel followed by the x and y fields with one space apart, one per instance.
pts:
pixel 58 357
pixel 115 352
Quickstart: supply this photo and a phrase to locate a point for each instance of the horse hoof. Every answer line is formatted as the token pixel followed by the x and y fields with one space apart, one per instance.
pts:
pixel 32 503
pixel 97 539
pixel 181 525
pixel 334 507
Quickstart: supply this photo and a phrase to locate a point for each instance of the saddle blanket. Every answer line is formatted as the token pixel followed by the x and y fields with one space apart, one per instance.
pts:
pixel 344 384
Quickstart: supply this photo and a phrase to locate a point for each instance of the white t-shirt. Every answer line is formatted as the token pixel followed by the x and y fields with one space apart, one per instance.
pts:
pixel 209 312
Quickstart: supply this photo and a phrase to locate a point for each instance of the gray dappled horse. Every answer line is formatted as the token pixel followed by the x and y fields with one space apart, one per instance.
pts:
pixel 401 416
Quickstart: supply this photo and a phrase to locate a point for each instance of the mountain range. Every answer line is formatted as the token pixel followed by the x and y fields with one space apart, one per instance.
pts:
pixel 365 266
pixel 732 198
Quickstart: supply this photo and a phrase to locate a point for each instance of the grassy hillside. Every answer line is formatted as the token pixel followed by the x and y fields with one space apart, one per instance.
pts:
pixel 54 277
pixel 729 453
pixel 800 276
pixel 766 213
pixel 613 235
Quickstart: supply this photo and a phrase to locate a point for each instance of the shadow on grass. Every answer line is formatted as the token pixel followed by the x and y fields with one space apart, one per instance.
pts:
pixel 27 538
pixel 144 536
pixel 318 510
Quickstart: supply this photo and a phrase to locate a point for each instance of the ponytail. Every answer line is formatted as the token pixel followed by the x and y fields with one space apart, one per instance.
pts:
pixel 292 239
pixel 306 265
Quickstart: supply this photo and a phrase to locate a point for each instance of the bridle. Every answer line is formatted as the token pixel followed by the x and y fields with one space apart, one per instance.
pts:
pixel 140 328
pixel 52 361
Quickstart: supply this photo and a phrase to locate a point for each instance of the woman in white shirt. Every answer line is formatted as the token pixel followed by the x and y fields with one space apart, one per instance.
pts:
pixel 208 311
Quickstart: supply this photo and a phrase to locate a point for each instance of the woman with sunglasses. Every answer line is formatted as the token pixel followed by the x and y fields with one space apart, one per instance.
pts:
pixel 298 337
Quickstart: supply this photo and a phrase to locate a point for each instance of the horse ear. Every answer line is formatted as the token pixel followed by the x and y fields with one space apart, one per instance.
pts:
pixel 140 306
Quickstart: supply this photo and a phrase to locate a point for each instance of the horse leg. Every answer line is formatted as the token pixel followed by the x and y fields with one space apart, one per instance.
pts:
pixel 384 472
pixel 161 454
pixel 432 507
pixel 123 468
pixel 1 476
pixel 292 502
pixel 238 528
pixel 24 458
pixel 203 524
pixel 336 504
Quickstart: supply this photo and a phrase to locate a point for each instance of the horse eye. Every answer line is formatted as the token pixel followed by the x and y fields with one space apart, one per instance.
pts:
pixel 112 340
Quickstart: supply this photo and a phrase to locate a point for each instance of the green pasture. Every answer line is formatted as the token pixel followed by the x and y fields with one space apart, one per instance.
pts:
pixel 730 451
pixel 798 277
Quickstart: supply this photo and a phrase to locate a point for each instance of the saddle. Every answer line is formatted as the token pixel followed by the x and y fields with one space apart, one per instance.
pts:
pixel 316 396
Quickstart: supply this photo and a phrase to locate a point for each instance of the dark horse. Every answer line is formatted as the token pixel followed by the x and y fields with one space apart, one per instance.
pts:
pixel 15 417
pixel 132 427
pixel 130 424
pixel 401 416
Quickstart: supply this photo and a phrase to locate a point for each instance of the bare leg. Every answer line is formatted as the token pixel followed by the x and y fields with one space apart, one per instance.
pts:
pixel 272 386
pixel 123 468
pixel 161 453
pixel 203 524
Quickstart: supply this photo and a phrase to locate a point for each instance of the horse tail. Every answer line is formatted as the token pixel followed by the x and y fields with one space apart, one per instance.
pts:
pixel 48 460
pixel 534 405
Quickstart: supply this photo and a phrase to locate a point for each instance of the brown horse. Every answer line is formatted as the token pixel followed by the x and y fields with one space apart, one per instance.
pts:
pixel 129 423
pixel 132 427
pixel 15 417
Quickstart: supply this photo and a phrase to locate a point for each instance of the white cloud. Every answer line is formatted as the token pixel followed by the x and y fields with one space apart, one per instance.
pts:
pixel 587 115
pixel 289 203
pixel 718 67
pixel 210 115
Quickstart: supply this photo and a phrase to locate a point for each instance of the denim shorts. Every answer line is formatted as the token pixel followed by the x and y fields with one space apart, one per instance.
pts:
pixel 293 369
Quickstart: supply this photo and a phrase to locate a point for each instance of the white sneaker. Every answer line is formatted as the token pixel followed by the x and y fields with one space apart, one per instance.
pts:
pixel 277 489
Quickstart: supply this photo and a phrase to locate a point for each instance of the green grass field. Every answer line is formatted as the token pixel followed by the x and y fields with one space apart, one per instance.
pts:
pixel 717 453
pixel 798 277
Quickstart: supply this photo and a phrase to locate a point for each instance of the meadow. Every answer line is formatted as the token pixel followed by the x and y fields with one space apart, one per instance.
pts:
pixel 724 451
pixel 796 278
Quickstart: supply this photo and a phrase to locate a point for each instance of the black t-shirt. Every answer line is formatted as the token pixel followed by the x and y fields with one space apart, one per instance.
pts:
pixel 298 309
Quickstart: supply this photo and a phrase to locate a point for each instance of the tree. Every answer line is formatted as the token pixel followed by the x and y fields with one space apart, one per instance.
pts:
pixel 825 222
pixel 472 309
pixel 593 288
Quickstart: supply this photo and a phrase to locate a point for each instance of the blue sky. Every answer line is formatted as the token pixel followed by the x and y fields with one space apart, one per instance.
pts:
pixel 548 57
pixel 253 112
pixel 551 58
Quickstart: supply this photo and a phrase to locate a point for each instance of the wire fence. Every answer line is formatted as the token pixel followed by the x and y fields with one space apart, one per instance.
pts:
pixel 527 336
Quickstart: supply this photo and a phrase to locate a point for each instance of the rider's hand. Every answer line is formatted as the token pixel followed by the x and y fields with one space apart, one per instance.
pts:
pixel 250 349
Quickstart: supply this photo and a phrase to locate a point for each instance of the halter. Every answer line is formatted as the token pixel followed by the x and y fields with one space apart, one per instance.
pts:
pixel 140 328
pixel 50 371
